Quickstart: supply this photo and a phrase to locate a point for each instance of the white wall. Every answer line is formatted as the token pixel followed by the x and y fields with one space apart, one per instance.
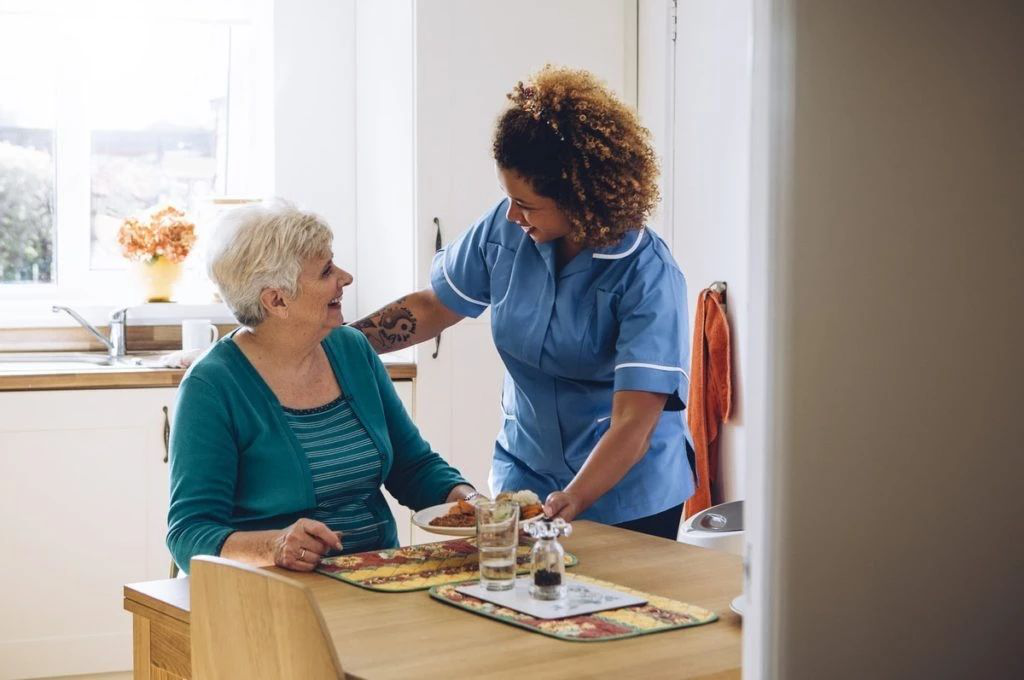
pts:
pixel 898 272
pixel 655 85
pixel 314 118
pixel 385 229
pixel 709 184
pixel 343 126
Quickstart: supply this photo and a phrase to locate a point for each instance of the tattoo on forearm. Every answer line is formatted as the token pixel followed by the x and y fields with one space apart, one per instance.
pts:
pixel 388 326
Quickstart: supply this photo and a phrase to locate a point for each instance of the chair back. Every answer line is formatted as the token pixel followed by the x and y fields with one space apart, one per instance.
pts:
pixel 250 623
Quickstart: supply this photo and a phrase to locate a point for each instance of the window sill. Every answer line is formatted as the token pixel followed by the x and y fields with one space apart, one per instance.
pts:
pixel 26 327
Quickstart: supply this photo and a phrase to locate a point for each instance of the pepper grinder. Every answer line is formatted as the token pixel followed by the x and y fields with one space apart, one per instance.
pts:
pixel 547 559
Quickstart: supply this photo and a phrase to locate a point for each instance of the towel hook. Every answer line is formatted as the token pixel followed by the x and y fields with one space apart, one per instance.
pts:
pixel 719 287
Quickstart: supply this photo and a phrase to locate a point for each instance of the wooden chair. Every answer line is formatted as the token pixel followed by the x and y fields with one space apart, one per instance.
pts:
pixel 250 623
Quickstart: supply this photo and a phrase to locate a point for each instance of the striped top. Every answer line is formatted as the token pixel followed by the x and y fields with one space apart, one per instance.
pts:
pixel 346 467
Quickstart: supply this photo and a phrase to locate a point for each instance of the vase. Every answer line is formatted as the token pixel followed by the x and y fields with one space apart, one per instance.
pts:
pixel 158 278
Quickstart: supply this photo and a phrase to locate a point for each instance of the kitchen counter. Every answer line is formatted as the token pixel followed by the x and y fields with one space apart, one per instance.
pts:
pixel 31 377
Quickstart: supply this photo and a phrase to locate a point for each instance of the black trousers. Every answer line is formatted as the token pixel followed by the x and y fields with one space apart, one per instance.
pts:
pixel 664 525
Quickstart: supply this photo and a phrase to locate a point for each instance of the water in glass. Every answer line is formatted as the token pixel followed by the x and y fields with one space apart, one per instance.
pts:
pixel 497 535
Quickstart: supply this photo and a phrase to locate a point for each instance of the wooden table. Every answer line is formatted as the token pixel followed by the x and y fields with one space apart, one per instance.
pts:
pixel 404 635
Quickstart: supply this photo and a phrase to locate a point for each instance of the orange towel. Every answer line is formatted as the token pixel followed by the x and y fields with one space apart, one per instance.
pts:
pixel 710 393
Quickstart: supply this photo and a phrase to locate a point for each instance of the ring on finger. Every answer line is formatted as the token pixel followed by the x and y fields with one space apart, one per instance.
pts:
pixel 302 553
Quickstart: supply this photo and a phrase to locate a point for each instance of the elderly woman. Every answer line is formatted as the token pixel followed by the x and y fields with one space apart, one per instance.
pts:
pixel 287 427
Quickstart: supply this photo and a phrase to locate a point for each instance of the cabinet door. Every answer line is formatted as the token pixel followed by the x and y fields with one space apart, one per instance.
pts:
pixel 403 515
pixel 408 534
pixel 83 489
pixel 469 54
pixel 156 421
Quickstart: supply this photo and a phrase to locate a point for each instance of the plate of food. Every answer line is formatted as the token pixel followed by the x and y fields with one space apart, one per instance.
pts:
pixel 459 518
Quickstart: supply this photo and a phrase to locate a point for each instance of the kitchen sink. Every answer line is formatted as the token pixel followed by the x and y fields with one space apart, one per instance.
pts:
pixel 36 362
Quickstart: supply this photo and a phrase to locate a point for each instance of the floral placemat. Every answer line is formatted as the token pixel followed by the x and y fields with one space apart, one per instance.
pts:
pixel 659 614
pixel 417 567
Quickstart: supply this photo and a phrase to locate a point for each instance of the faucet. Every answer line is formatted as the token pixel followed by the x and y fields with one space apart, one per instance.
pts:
pixel 115 343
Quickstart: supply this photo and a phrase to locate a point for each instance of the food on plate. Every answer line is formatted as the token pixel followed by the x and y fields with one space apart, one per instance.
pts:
pixel 462 513
pixel 529 502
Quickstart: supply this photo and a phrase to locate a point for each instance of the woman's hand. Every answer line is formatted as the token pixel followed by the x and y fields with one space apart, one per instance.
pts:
pixel 301 546
pixel 463 492
pixel 562 504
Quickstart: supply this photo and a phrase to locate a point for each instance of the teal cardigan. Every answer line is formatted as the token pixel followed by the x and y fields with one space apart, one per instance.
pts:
pixel 236 466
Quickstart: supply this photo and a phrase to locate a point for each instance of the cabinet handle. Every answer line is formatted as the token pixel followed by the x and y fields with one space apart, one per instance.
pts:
pixel 437 249
pixel 167 432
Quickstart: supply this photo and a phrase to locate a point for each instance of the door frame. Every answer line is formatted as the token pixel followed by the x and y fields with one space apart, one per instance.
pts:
pixel 772 88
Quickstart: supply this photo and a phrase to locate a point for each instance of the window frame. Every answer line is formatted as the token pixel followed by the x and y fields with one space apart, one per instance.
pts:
pixel 74 279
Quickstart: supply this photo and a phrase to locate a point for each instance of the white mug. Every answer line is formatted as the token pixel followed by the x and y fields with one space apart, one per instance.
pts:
pixel 197 334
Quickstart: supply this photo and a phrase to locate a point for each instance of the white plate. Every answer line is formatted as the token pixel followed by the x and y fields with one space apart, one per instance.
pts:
pixel 737 604
pixel 423 517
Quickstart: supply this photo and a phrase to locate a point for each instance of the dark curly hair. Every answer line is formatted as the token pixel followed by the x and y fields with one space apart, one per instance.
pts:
pixel 572 139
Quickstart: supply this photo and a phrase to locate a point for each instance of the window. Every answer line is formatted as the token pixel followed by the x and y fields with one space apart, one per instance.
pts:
pixel 158 123
pixel 105 114
pixel 27 116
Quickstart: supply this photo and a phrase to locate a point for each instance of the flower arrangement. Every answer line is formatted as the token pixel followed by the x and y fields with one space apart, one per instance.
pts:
pixel 165 235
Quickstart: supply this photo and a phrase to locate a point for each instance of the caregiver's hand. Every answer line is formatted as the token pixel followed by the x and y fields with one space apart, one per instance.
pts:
pixel 301 546
pixel 562 504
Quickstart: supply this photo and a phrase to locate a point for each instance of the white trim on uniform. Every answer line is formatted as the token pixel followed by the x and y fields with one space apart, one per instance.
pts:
pixel 656 367
pixel 444 270
pixel 616 256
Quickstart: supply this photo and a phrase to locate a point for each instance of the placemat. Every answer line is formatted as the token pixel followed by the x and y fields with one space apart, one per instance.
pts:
pixel 659 614
pixel 417 567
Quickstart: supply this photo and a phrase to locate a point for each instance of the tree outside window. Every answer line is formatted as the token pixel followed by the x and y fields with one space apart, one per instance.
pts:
pixel 26 151
pixel 105 119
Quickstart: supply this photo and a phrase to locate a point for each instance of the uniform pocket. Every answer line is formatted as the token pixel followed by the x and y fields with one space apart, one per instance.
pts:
pixel 602 331
pixel 597 429
pixel 508 399
pixel 500 261
pixel 509 426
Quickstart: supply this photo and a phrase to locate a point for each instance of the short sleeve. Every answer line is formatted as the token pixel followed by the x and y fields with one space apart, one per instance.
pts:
pixel 460 274
pixel 653 347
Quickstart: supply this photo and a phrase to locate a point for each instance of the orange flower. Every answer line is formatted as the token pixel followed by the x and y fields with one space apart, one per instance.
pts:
pixel 166 233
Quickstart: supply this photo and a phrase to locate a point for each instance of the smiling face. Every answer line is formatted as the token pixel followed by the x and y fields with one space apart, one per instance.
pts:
pixel 539 216
pixel 320 291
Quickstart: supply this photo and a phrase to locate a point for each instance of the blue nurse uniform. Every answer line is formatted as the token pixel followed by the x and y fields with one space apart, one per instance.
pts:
pixel 611 319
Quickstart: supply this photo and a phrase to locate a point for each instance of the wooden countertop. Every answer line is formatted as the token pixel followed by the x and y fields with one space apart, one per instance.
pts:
pixel 401 635
pixel 123 378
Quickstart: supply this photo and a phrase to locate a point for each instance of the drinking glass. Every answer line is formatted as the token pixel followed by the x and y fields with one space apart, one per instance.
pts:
pixel 497 537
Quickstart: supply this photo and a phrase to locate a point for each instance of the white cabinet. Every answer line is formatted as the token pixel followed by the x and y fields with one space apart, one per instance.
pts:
pixel 403 515
pixel 409 534
pixel 83 494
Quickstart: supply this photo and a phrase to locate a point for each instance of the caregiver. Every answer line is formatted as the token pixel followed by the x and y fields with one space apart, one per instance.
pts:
pixel 588 310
